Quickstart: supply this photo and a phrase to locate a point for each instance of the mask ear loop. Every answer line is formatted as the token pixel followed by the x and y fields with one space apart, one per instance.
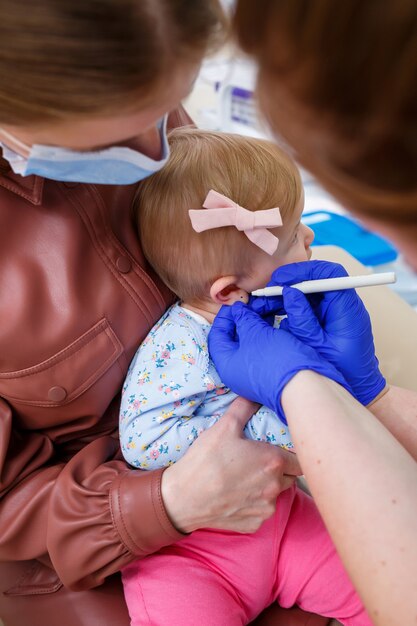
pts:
pixel 162 125
pixel 15 144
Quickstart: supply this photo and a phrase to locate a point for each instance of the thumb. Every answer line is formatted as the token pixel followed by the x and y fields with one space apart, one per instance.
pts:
pixel 246 320
pixel 238 414
pixel 266 305
pixel 291 463
pixel 306 270
pixel 301 319
pixel 222 340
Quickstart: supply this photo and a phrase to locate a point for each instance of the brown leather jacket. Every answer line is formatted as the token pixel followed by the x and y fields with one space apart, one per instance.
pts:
pixel 76 299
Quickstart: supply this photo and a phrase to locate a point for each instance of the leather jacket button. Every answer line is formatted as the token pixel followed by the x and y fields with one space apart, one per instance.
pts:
pixel 123 264
pixel 57 394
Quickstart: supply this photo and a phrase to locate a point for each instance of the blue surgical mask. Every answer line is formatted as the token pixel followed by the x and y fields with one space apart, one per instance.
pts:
pixel 113 166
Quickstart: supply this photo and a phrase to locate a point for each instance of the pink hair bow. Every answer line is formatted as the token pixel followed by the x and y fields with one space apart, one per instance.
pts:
pixel 221 211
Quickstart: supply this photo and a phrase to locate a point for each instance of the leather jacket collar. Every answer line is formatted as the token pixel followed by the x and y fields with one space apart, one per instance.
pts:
pixel 28 187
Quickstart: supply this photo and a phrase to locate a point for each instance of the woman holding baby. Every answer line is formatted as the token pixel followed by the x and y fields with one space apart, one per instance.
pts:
pixel 84 93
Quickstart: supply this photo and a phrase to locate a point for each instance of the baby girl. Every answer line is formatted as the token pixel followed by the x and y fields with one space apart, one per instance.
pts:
pixel 215 223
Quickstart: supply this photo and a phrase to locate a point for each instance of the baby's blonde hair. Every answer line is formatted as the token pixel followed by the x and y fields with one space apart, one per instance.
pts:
pixel 254 173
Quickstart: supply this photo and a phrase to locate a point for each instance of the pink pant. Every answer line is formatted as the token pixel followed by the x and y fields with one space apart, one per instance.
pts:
pixel 220 578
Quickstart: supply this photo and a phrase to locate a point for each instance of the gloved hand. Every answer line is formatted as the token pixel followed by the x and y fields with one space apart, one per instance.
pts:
pixel 256 361
pixel 335 323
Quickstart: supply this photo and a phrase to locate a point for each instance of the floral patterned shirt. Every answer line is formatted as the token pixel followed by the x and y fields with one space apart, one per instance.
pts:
pixel 173 392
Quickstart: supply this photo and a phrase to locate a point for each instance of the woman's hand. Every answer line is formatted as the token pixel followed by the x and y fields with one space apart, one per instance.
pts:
pixel 256 360
pixel 335 323
pixel 226 481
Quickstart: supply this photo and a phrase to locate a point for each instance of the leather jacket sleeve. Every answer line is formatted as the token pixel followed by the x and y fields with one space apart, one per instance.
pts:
pixel 76 299
pixel 92 515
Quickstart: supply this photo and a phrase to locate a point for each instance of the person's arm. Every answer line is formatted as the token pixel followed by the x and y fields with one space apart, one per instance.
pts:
pixel 397 410
pixel 92 515
pixel 364 481
pixel 365 486
pixel 89 516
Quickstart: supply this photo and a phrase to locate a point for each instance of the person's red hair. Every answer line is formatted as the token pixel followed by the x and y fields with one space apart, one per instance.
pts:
pixel 338 82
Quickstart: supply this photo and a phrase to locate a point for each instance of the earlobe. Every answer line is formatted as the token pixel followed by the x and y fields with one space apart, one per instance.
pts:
pixel 225 291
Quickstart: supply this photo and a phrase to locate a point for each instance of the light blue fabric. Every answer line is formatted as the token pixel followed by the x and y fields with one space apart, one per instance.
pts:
pixel 172 393
pixel 112 166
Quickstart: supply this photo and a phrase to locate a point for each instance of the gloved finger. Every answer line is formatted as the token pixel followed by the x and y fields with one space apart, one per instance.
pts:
pixel 284 324
pixel 222 339
pixel 337 305
pixel 339 317
pixel 224 321
pixel 267 306
pixel 329 305
pixel 306 270
pixel 247 321
pixel 301 319
pixel 290 274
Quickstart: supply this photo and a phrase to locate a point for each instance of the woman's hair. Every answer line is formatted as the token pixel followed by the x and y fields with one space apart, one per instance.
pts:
pixel 81 57
pixel 254 173
pixel 338 82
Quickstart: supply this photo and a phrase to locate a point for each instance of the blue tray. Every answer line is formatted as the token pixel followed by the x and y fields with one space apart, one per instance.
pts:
pixel 347 233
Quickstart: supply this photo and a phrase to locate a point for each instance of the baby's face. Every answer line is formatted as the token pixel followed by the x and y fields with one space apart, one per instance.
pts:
pixel 294 245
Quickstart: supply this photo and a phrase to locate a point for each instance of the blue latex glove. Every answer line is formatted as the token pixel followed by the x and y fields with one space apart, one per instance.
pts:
pixel 256 361
pixel 335 323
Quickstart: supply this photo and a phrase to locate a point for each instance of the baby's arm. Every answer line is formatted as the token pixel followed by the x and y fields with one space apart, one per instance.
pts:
pixel 157 414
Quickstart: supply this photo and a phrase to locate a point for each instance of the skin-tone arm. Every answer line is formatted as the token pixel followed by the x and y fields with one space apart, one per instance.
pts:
pixel 365 486
pixel 226 481
pixel 397 410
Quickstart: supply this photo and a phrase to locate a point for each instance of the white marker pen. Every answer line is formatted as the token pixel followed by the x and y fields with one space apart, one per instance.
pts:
pixel 333 284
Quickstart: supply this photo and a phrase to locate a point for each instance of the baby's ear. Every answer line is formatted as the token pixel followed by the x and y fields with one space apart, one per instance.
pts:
pixel 225 291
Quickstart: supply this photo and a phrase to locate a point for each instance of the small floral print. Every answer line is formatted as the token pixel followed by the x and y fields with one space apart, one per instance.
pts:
pixel 200 346
pixel 194 434
pixel 144 377
pixel 169 388
pixel 165 408
pixel 270 437
pixel 188 358
pixel 166 415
